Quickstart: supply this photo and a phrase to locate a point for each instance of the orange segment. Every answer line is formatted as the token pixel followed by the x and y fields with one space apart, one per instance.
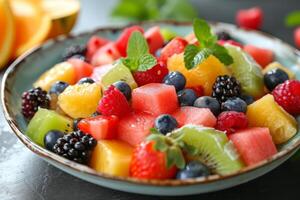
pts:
pixel 7 32
pixel 204 74
pixel 32 24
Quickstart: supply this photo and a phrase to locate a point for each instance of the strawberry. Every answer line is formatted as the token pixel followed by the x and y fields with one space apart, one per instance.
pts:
pixel 122 41
pixel 93 45
pixel 100 127
pixel 230 121
pixel 156 158
pixel 250 18
pixel 261 55
pixel 175 46
pixel 287 95
pixel 297 37
pixel 153 75
pixel 113 102
pixel 232 42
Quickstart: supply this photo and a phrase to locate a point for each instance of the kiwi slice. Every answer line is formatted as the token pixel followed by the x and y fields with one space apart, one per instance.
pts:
pixel 212 147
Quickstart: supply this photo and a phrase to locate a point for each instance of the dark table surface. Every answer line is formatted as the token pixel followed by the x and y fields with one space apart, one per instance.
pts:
pixel 25 176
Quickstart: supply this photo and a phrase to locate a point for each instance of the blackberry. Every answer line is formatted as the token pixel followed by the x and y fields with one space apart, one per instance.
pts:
pixel 32 100
pixel 226 87
pixel 77 51
pixel 75 146
pixel 223 35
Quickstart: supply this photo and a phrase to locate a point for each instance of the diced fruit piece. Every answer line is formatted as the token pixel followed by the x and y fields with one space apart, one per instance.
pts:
pixel 153 75
pixel 261 55
pixel 167 34
pixel 51 138
pixel 197 116
pixel 100 127
pixel 297 37
pixel 212 147
pixel 116 73
pixel 107 54
pixel 165 123
pixel 235 104
pixel 193 169
pixel 230 121
pixel 149 163
pixel 247 72
pixel 254 144
pixel 275 65
pixel 82 69
pixel 226 87
pixel 135 127
pixel 287 95
pixel 176 79
pixel 265 112
pixel 204 74
pixel 275 77
pixel 251 18
pixel 175 46
pixel 186 97
pixel 45 120
pixel 122 41
pixel 112 157
pixel 154 38
pixel 60 72
pixel 113 102
pixel 208 102
pixel 191 38
pixel 155 99
pixel 100 71
pixel 80 101
pixel 93 45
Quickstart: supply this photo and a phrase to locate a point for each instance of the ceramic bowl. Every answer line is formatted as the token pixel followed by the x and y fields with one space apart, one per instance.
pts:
pixel 22 73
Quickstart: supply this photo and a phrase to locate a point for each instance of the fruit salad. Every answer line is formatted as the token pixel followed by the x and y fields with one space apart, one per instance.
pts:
pixel 153 107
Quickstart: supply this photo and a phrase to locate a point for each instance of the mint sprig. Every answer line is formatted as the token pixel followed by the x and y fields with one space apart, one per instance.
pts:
pixel 194 55
pixel 138 56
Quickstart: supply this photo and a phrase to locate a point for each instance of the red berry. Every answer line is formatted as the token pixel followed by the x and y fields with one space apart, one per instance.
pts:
pixel 147 163
pixel 287 95
pixel 250 18
pixel 198 90
pixel 93 45
pixel 113 102
pixel 175 46
pixel 261 55
pixel 297 37
pixel 232 42
pixel 154 75
pixel 230 121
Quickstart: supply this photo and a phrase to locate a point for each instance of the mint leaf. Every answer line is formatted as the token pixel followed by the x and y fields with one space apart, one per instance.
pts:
pixel 189 53
pixel 222 54
pixel 203 33
pixel 137 45
pixel 202 55
pixel 147 61
pixel 293 19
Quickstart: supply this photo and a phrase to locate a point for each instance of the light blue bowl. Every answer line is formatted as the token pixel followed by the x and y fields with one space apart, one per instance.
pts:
pixel 25 70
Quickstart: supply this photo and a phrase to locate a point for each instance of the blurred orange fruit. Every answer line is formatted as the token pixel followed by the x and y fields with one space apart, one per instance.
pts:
pixel 7 32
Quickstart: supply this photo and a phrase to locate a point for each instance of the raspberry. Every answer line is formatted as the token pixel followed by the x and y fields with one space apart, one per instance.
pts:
pixel 154 75
pixel 250 18
pixel 32 100
pixel 287 95
pixel 297 37
pixel 230 121
pixel 113 103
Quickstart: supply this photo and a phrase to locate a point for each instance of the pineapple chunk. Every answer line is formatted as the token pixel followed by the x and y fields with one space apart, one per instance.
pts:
pixel 275 65
pixel 265 112
pixel 112 157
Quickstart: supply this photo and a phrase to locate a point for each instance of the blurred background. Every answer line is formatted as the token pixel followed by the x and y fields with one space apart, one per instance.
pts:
pixel 26 23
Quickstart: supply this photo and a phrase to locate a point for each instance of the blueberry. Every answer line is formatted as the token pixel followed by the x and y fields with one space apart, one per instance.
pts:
pixel 247 98
pixel 165 123
pixel 186 97
pixel 235 104
pixel 75 123
pixel 274 77
pixel 51 138
pixel 58 87
pixel 123 87
pixel 176 79
pixel 193 169
pixel 208 102
pixel 86 80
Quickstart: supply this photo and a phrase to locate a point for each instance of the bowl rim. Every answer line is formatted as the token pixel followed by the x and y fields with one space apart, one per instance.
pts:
pixel 46 154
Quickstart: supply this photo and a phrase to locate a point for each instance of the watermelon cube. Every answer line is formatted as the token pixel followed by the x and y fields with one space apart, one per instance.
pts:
pixel 82 69
pixel 175 46
pixel 155 99
pixel 107 54
pixel 135 127
pixel 100 127
pixel 196 116
pixel 254 144
pixel 93 45
pixel 154 38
